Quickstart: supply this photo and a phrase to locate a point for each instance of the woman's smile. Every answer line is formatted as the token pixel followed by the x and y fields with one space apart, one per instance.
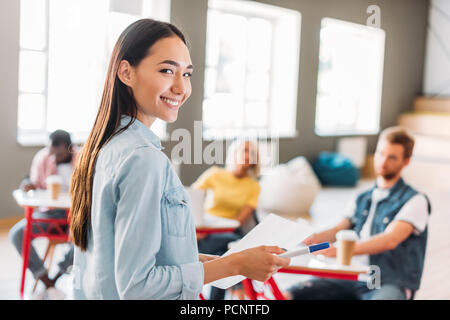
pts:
pixel 171 103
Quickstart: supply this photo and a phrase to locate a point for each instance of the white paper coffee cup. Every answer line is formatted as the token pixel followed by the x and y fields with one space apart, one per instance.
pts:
pixel 54 184
pixel 346 245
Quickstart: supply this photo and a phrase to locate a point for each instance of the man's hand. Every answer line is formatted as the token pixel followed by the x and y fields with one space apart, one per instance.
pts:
pixel 29 187
pixel 311 240
pixel 328 235
pixel 329 252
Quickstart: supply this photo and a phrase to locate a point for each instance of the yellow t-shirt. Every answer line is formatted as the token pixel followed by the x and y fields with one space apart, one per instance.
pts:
pixel 231 194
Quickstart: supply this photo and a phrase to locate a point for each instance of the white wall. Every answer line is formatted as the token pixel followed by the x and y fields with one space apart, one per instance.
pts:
pixel 437 56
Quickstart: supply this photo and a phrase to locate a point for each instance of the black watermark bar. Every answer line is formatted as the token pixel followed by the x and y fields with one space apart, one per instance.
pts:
pixel 227 309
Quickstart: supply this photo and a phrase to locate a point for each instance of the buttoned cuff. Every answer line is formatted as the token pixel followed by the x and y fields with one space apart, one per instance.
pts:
pixel 192 275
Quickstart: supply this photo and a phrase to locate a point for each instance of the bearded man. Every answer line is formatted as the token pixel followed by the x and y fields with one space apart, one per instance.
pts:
pixel 391 221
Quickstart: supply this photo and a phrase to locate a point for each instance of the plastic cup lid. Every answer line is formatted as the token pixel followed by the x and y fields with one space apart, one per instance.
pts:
pixel 53 179
pixel 347 235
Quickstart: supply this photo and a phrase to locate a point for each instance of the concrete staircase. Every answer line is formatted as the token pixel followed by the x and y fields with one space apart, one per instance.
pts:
pixel 430 123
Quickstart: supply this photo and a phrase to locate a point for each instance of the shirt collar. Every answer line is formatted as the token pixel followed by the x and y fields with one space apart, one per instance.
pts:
pixel 143 129
pixel 393 190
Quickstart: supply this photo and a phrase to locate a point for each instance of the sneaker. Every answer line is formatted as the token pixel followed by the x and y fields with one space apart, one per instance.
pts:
pixel 42 295
pixel 55 294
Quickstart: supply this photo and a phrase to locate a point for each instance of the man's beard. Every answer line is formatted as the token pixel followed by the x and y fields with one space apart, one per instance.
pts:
pixel 389 176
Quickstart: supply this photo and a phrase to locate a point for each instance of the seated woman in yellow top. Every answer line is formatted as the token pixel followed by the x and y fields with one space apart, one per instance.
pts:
pixel 236 189
pixel 235 196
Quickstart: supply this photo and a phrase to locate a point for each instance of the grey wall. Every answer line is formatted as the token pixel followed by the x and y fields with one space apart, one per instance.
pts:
pixel 437 58
pixel 14 159
pixel 403 20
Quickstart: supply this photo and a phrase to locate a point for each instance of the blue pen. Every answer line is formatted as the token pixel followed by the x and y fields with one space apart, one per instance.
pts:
pixel 305 250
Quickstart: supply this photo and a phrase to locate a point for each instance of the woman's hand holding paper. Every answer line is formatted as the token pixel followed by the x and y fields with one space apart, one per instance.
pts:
pixel 260 263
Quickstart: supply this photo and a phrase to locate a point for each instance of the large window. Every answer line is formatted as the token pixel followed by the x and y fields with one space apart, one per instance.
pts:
pixel 251 74
pixel 350 78
pixel 65 47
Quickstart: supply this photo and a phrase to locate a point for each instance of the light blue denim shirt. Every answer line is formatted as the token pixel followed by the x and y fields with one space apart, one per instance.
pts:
pixel 141 240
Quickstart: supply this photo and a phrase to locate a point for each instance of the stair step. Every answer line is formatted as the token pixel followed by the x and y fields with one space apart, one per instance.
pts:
pixel 432 104
pixel 434 124
pixel 432 147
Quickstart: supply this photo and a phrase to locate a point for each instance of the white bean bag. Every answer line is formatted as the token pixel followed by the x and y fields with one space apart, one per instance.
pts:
pixel 289 189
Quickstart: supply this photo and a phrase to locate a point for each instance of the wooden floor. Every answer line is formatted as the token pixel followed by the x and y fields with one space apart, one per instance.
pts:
pixel 326 211
pixel 11 268
pixel 436 277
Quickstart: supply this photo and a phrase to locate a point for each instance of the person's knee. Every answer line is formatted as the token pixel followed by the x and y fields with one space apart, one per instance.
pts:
pixel 323 289
pixel 303 290
pixel 15 234
pixel 68 257
pixel 388 292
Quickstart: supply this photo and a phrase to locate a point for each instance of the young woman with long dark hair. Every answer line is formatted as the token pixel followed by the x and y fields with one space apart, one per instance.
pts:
pixel 130 216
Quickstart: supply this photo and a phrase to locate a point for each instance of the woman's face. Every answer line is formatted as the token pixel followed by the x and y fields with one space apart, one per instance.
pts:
pixel 161 81
pixel 245 156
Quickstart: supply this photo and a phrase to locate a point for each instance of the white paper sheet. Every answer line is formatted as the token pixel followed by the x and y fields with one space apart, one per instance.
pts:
pixel 218 222
pixel 272 231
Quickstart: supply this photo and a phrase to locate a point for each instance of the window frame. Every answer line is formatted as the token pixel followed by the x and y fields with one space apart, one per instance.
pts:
pixel 39 137
pixel 265 132
pixel 354 132
pixel 35 137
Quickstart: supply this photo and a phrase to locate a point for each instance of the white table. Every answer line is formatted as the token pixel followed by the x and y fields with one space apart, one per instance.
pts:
pixel 214 224
pixel 41 198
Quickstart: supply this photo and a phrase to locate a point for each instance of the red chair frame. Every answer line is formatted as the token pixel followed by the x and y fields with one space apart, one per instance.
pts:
pixel 48 232
pixel 212 230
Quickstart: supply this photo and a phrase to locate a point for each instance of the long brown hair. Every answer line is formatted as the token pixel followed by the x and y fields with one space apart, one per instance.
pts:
pixel 133 45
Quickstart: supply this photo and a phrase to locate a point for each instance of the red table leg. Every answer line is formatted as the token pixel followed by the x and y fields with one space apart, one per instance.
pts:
pixel 26 243
pixel 249 289
pixel 276 292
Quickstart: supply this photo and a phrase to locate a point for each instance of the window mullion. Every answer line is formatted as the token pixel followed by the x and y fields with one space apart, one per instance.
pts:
pixel 271 81
pixel 244 95
pixel 46 51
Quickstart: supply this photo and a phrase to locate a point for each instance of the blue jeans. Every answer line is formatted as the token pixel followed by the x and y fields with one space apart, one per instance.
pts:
pixel 333 289
pixel 35 264
pixel 217 243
